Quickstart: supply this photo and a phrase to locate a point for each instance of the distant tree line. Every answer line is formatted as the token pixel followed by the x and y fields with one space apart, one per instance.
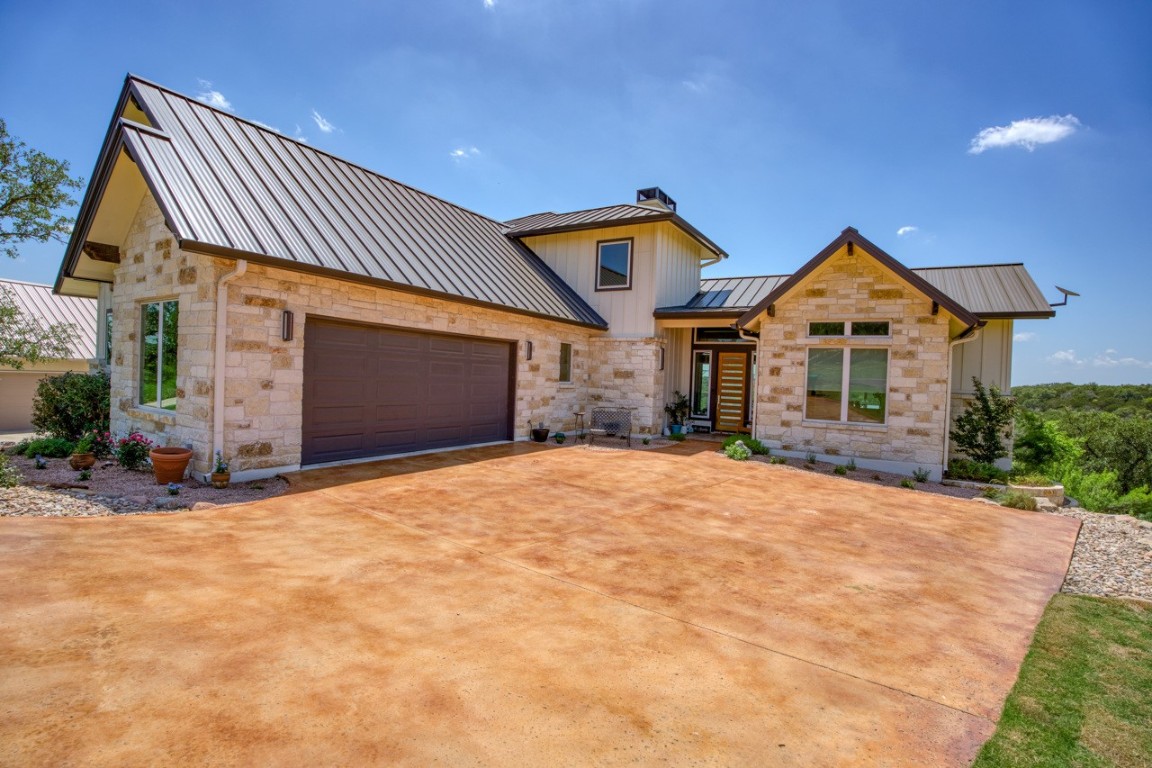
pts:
pixel 1120 399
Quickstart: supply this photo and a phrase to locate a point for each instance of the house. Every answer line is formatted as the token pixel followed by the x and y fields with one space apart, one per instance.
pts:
pixel 38 304
pixel 287 308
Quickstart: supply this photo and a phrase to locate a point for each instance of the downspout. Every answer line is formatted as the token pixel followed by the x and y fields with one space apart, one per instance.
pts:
pixel 222 355
pixel 971 334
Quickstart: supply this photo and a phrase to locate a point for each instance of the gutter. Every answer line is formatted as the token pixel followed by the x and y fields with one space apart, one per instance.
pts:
pixel 222 355
pixel 971 334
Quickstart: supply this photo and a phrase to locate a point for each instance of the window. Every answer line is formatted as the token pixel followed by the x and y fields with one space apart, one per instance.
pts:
pixel 701 383
pixel 565 362
pixel 861 373
pixel 108 336
pixel 855 328
pixel 614 265
pixel 158 328
pixel 719 336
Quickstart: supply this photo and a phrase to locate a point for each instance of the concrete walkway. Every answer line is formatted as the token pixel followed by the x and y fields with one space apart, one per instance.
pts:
pixel 524 605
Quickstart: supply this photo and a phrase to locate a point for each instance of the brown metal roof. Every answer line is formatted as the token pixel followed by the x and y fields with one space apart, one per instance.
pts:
pixel 232 188
pixel 37 303
pixel 988 291
pixel 608 216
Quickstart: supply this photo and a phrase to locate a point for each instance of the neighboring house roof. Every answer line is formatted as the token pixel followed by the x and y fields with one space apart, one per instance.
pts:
pixel 989 291
pixel 232 188
pixel 37 303
pixel 599 218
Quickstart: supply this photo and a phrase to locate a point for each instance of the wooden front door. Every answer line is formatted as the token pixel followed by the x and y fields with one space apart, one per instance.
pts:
pixel 731 391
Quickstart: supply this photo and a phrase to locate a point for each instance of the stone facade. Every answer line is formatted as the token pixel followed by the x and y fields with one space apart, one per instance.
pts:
pixel 626 373
pixel 264 375
pixel 856 287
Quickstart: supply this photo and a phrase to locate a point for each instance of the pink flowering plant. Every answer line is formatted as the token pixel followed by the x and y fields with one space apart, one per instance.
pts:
pixel 103 444
pixel 132 451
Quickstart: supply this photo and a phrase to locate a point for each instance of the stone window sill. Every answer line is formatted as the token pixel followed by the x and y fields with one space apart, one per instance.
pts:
pixel 157 415
pixel 845 425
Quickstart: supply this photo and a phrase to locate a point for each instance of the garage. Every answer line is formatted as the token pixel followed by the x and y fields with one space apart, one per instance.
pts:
pixel 375 391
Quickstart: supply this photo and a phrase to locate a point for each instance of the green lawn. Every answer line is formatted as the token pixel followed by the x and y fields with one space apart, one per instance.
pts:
pixel 1084 697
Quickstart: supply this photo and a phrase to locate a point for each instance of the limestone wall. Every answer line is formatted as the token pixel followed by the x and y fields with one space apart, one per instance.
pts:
pixel 856 287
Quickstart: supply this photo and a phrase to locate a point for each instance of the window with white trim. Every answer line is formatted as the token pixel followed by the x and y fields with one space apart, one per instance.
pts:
pixel 847 385
pixel 614 265
pixel 850 328
pixel 159 325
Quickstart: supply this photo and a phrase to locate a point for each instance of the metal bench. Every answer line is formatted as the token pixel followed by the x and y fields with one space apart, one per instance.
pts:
pixel 610 422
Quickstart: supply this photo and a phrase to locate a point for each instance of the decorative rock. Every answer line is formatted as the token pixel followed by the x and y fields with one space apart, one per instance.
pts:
pixel 203 505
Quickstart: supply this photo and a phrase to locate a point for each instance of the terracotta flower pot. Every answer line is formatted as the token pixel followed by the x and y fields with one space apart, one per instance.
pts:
pixel 82 460
pixel 169 464
pixel 220 480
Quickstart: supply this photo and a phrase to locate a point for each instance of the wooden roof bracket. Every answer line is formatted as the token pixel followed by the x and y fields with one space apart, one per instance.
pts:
pixel 109 254
pixel 935 308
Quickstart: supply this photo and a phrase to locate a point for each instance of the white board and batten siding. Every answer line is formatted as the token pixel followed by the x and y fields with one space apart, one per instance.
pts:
pixel 988 358
pixel 665 272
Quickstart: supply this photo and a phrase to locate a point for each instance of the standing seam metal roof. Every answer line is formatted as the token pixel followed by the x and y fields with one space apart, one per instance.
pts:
pixel 987 290
pixel 227 185
pixel 38 304
pixel 608 216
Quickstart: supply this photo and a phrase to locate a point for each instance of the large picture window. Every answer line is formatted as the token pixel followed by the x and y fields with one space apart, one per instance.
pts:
pixel 158 333
pixel 614 265
pixel 849 385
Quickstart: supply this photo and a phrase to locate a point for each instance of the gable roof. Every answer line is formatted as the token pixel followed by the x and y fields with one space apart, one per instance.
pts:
pixel 853 238
pixel 989 291
pixel 609 216
pixel 229 187
pixel 38 304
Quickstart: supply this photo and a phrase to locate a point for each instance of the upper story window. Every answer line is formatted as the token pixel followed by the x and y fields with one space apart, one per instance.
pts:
pixel 159 325
pixel 853 328
pixel 614 265
pixel 565 363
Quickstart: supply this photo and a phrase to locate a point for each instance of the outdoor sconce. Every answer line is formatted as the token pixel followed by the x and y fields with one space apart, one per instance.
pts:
pixel 661 358
pixel 287 325
pixel 527 350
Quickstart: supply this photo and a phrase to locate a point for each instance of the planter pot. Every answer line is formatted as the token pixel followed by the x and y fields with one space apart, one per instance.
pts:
pixel 540 435
pixel 169 464
pixel 675 429
pixel 82 460
pixel 221 479
pixel 560 438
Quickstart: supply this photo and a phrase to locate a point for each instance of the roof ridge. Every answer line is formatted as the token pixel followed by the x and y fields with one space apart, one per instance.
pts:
pixel 268 129
pixel 973 266
pixel 25 282
pixel 746 277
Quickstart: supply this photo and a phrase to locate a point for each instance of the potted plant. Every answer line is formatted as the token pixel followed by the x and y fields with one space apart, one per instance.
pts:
pixel 169 464
pixel 539 432
pixel 559 437
pixel 677 411
pixel 220 474
pixel 82 456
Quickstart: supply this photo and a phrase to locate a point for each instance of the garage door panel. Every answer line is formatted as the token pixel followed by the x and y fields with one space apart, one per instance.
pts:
pixel 372 391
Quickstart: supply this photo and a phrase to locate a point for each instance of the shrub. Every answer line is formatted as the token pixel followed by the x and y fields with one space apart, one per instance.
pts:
pixel 103 444
pixel 908 483
pixel 778 460
pixel 810 457
pixel 85 444
pixel 840 470
pixel 1029 478
pixel 20 447
pixel 751 443
pixel 10 476
pixel 1095 491
pixel 737 451
pixel 921 475
pixel 1040 444
pixel 52 447
pixel 982 429
pixel 965 469
pixel 132 451
pixel 1018 500
pixel 71 404
pixel 1137 502
pixel 85 474
pixel 851 465
pixel 678 438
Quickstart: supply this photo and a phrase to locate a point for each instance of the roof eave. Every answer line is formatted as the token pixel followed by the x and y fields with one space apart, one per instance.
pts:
pixel 210 249
pixel 1012 315
pixel 689 314
pixel 668 216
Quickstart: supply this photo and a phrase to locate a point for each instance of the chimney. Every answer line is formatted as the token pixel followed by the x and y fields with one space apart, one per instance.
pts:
pixel 654 197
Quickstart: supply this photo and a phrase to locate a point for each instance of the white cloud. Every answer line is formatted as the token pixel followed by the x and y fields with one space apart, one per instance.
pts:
pixel 1024 336
pixel 906 231
pixel 265 126
pixel 460 154
pixel 211 97
pixel 1109 358
pixel 1025 133
pixel 299 135
pixel 321 123
pixel 489 3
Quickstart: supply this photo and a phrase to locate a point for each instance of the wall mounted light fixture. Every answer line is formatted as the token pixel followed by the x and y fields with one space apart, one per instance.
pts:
pixel 527 350
pixel 287 325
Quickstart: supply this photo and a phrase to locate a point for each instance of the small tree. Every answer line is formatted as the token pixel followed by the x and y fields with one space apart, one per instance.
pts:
pixel 33 187
pixel 982 430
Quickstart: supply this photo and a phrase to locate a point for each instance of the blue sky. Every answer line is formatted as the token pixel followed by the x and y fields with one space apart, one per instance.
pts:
pixel 774 125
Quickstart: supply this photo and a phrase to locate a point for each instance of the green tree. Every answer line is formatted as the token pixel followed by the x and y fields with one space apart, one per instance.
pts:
pixel 24 340
pixel 982 430
pixel 33 187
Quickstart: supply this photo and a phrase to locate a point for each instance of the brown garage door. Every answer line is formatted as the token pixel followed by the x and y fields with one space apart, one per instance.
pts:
pixel 372 391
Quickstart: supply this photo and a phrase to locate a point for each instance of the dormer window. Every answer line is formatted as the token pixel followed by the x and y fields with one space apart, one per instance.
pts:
pixel 614 265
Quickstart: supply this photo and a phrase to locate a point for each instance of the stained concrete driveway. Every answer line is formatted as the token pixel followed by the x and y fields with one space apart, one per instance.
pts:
pixel 525 606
